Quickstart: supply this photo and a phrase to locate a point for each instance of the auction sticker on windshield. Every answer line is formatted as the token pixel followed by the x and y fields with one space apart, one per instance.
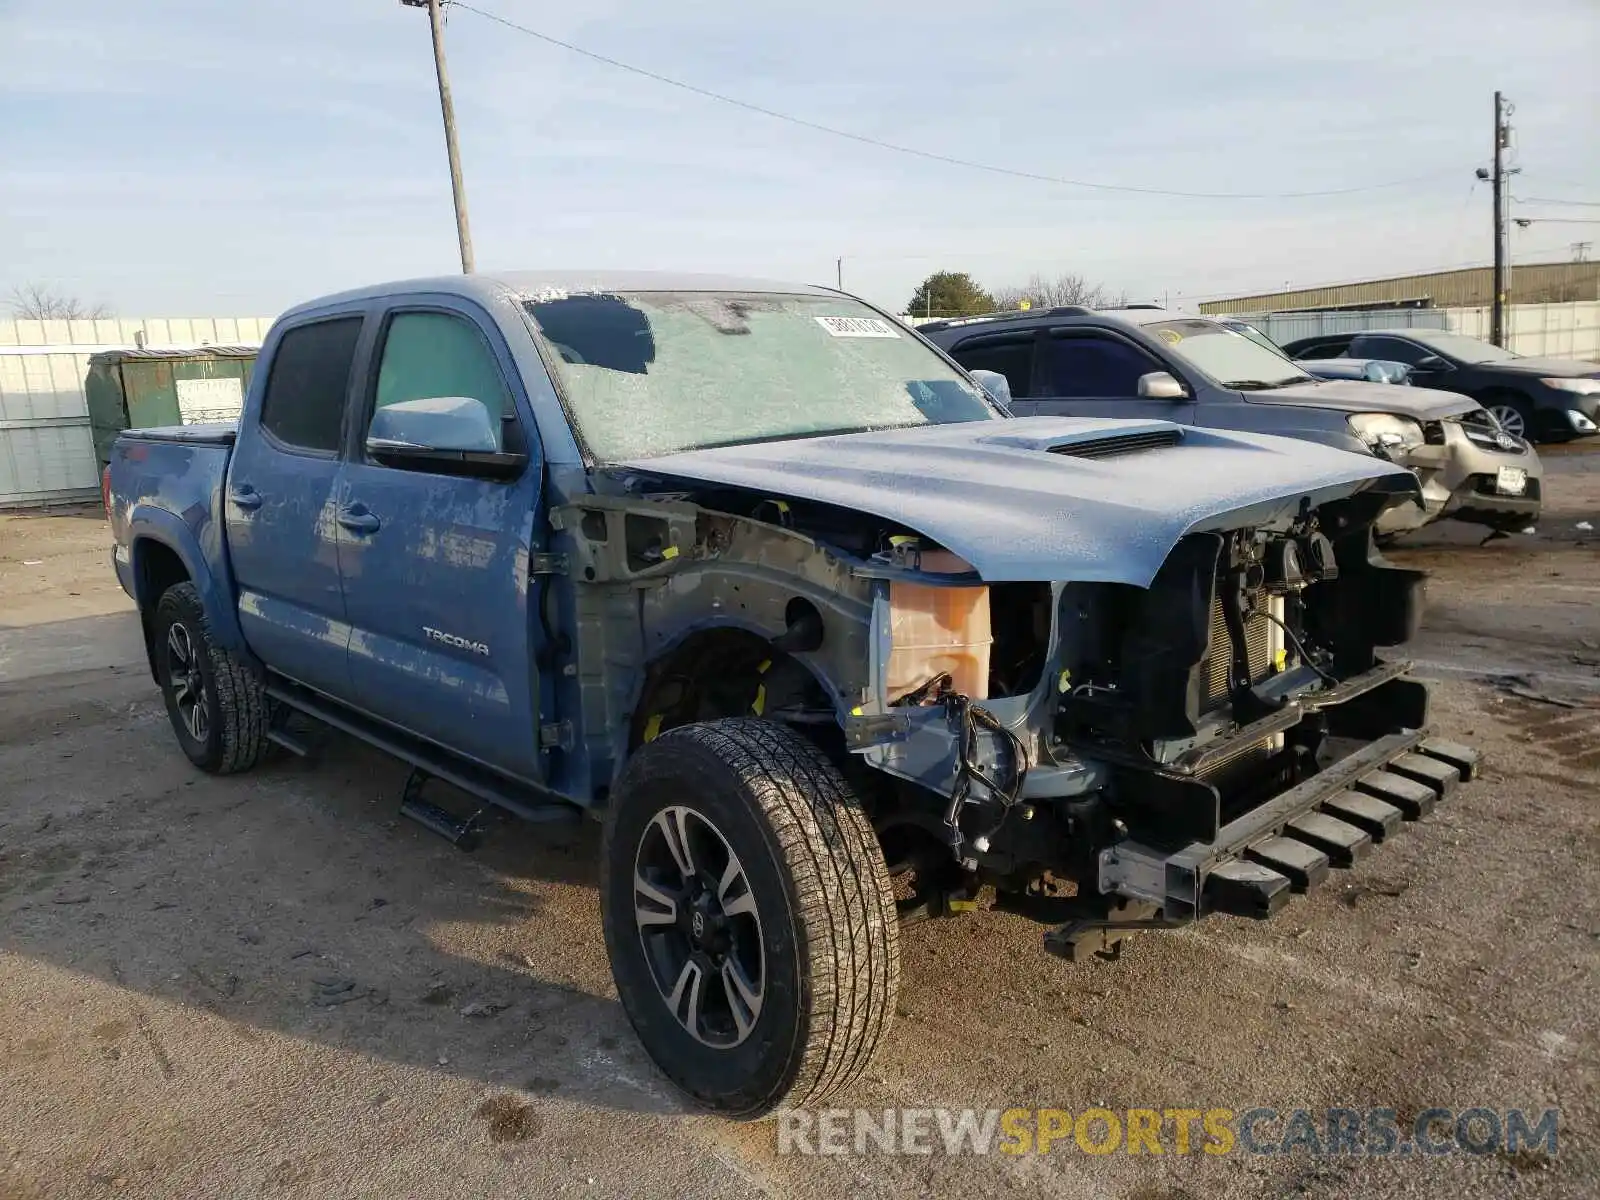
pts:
pixel 858 327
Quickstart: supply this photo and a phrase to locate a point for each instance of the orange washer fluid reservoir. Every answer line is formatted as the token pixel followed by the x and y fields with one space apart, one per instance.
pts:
pixel 936 630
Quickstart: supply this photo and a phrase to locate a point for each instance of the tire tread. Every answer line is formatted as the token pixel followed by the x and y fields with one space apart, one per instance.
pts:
pixel 847 933
pixel 241 698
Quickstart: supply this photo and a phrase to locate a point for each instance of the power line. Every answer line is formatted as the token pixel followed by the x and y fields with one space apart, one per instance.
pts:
pixel 1575 203
pixel 932 156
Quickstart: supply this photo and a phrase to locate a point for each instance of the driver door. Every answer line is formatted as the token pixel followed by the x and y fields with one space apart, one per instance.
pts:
pixel 435 565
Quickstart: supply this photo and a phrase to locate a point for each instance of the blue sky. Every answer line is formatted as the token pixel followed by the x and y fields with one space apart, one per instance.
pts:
pixel 190 157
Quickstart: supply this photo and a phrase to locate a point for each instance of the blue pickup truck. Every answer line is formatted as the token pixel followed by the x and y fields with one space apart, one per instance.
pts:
pixel 829 641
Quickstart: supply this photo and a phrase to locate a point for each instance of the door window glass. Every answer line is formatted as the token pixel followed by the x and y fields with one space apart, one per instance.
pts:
pixel 1338 348
pixel 310 378
pixel 1391 349
pixel 1092 367
pixel 428 355
pixel 1011 357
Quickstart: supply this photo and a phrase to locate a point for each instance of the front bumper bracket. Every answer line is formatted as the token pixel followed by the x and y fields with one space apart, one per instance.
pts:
pixel 1289 843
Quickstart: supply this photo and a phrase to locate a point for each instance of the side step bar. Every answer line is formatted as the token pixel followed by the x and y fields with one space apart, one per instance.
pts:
pixel 526 800
pixel 464 833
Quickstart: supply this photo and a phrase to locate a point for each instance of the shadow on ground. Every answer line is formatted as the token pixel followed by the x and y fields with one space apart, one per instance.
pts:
pixel 294 900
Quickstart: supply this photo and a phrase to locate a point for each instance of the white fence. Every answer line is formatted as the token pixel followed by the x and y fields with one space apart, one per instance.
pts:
pixel 1284 328
pixel 46 454
pixel 1570 330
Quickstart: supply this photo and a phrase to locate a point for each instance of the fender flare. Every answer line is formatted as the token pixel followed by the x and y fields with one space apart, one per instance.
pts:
pixel 148 523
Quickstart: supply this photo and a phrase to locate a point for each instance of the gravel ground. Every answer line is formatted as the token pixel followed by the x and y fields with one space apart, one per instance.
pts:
pixel 261 985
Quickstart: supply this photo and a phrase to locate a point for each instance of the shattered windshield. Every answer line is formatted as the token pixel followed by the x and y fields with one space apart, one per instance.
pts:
pixel 652 373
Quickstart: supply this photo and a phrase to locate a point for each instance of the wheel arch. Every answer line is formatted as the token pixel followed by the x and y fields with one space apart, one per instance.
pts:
pixel 719 662
pixel 163 550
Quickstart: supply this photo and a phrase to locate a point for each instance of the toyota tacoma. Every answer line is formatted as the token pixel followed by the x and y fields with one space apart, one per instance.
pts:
pixel 827 640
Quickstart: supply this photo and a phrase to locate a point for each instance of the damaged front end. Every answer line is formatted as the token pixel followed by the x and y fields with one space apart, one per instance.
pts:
pixel 1212 743
pixel 1206 731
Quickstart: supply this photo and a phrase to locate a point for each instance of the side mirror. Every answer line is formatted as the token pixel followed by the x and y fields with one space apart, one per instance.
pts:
pixel 1431 362
pixel 1158 385
pixel 1379 371
pixel 996 384
pixel 445 435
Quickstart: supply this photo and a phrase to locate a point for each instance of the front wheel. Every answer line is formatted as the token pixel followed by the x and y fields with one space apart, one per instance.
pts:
pixel 748 916
pixel 215 700
pixel 1514 414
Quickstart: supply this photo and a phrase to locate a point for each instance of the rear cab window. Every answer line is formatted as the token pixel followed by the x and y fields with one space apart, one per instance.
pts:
pixel 309 380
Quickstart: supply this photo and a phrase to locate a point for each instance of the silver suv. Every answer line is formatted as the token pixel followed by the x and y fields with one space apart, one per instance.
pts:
pixel 1143 361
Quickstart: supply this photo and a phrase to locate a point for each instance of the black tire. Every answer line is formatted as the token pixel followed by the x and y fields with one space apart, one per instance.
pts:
pixel 826 929
pixel 218 707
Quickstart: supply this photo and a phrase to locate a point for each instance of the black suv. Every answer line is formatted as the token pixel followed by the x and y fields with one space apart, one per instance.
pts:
pixel 1549 398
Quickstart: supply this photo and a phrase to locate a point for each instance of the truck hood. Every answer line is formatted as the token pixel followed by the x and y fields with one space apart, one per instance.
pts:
pixel 1359 396
pixel 1015 499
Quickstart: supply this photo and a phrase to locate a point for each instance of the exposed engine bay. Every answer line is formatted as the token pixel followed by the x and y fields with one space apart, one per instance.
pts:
pixel 1038 736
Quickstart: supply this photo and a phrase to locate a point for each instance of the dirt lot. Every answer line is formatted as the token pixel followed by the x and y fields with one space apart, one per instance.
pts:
pixel 255 986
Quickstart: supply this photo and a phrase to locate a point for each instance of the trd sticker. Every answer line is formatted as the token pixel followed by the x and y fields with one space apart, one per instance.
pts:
pixel 873 327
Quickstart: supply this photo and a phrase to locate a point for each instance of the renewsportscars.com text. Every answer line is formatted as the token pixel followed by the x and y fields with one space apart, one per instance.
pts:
pixel 1378 1132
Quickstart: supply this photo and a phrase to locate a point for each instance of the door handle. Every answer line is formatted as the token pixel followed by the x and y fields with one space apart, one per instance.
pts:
pixel 357 519
pixel 246 497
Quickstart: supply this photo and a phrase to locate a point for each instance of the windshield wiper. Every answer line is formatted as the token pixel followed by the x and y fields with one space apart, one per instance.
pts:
pixel 801 435
pixel 1262 385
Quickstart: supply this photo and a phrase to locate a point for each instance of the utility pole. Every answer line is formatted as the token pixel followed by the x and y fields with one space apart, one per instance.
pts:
pixel 1502 138
pixel 839 272
pixel 457 191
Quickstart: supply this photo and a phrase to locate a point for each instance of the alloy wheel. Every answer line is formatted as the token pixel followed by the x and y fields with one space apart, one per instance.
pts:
pixel 1510 419
pixel 697 921
pixel 187 682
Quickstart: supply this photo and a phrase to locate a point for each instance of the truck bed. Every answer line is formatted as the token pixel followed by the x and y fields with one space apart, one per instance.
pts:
pixel 164 490
pixel 219 433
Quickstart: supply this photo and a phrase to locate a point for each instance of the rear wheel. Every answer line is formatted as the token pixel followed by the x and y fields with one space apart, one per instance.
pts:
pixel 748 916
pixel 215 699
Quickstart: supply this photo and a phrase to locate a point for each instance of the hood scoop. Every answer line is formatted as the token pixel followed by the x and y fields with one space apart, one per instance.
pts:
pixel 1123 443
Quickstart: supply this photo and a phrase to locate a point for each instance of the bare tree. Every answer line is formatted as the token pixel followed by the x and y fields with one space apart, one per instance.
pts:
pixel 36 302
pixel 1066 288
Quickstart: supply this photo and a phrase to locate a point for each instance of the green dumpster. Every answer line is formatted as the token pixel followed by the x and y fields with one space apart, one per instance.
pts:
pixel 137 389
